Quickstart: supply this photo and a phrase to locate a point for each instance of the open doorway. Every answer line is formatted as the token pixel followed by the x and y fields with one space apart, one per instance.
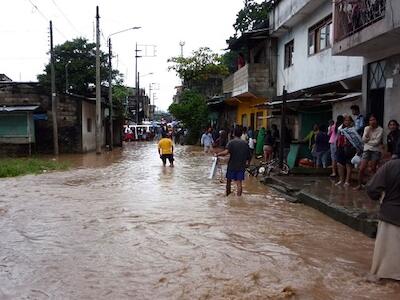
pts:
pixel 376 89
pixel 376 104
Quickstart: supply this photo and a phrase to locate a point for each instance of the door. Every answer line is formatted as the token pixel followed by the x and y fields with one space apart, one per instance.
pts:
pixel 252 116
pixel 376 90
pixel 376 104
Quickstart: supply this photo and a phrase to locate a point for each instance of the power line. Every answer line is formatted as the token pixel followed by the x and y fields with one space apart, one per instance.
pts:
pixel 45 18
pixel 66 18
pixel 104 38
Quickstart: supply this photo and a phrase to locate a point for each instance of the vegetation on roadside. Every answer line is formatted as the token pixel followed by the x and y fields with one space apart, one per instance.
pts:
pixel 195 71
pixel 202 64
pixel 12 167
pixel 193 112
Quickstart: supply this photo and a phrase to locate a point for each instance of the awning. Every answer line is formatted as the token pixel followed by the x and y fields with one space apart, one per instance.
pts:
pixel 243 98
pixel 18 108
pixel 348 97
pixel 215 100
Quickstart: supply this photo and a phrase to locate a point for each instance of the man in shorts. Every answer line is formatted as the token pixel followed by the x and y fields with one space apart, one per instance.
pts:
pixel 166 150
pixel 239 157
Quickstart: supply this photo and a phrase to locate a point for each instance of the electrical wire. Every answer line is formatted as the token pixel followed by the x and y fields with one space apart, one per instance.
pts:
pixel 45 18
pixel 66 18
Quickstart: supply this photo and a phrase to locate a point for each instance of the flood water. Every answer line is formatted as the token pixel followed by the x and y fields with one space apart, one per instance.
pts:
pixel 120 226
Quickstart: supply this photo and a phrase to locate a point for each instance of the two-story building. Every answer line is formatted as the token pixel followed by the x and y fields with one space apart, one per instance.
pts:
pixel 371 29
pixel 319 85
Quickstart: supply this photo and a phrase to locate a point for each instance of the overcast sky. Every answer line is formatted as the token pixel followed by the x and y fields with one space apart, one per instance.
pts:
pixel 25 36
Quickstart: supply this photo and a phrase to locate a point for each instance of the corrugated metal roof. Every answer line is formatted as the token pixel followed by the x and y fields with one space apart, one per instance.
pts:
pixel 18 108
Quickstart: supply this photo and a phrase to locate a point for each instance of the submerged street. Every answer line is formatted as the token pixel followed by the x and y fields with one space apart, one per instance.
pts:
pixel 121 226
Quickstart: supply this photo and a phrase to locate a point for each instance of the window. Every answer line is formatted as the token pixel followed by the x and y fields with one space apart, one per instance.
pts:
pixel 289 50
pixel 311 43
pixel 319 36
pixel 89 125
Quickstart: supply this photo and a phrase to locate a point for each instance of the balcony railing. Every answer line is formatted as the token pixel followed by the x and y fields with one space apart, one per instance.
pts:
pixel 354 15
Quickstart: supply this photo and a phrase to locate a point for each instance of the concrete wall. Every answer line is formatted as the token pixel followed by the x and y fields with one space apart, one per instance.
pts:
pixel 289 12
pixel 89 138
pixel 343 107
pixel 237 83
pixel 314 70
pixel 253 78
pixel 392 94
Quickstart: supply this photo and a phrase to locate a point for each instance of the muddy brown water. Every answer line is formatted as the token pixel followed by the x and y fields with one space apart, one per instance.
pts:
pixel 120 226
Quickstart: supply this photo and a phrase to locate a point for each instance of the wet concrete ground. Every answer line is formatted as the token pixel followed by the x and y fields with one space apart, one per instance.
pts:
pixel 120 226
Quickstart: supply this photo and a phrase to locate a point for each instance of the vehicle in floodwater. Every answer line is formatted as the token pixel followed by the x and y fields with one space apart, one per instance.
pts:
pixel 142 132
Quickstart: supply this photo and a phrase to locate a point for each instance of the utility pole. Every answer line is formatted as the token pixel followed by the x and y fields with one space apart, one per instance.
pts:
pixel 98 87
pixel 283 131
pixel 137 83
pixel 110 94
pixel 139 97
pixel 53 93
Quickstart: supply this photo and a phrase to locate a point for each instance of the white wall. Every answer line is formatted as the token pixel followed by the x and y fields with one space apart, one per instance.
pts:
pixel 318 69
pixel 89 138
pixel 343 108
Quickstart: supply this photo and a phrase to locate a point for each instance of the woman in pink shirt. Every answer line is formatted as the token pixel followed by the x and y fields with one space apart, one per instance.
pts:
pixel 333 131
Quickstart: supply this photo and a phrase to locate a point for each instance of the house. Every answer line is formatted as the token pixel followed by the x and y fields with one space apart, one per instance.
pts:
pixel 17 129
pixel 254 80
pixel 143 105
pixel 319 86
pixel 371 29
pixel 26 120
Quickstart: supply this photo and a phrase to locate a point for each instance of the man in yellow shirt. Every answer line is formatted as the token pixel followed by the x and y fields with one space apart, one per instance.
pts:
pixel 166 150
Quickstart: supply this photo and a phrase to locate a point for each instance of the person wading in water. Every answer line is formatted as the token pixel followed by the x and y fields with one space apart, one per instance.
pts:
pixel 239 157
pixel 166 150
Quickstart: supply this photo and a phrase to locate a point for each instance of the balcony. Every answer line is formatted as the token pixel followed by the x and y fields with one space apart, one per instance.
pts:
pixel 252 80
pixel 354 15
pixel 365 27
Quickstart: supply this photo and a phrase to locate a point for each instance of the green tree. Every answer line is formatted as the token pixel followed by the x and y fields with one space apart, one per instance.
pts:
pixel 79 58
pixel 120 94
pixel 193 112
pixel 199 67
pixel 252 15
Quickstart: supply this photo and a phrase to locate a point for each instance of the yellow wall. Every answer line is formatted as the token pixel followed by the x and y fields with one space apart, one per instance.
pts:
pixel 245 107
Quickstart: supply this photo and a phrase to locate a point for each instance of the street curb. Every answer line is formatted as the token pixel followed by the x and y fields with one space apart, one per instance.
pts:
pixel 358 220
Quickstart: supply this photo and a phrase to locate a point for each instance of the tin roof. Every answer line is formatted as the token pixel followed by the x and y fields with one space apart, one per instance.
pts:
pixel 18 108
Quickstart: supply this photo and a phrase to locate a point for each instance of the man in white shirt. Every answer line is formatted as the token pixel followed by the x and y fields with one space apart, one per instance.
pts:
pixel 372 139
pixel 207 140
